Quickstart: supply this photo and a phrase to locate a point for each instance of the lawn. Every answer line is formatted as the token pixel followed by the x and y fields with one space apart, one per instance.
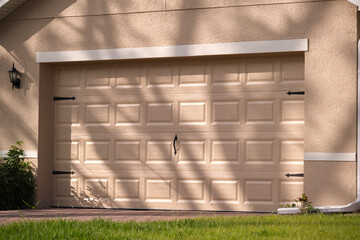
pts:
pixel 318 226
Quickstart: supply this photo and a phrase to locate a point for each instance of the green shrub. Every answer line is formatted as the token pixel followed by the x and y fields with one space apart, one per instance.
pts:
pixel 17 180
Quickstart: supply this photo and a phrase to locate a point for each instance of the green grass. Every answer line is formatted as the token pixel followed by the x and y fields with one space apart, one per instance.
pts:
pixel 248 227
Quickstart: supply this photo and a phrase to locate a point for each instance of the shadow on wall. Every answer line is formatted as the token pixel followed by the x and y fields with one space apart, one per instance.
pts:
pixel 17 46
pixel 18 30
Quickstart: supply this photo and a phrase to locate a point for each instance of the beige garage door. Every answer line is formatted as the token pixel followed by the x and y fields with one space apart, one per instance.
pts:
pixel 238 133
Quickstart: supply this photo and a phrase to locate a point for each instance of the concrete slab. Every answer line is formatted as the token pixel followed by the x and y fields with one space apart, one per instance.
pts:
pixel 111 214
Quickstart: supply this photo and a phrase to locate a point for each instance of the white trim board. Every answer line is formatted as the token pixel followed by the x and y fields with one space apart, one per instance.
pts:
pixel 356 2
pixel 336 157
pixel 212 49
pixel 28 154
pixel 3 2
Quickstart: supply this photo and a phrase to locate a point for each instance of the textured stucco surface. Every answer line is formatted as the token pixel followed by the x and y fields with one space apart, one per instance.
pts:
pixel 68 8
pixel 330 183
pixel 330 63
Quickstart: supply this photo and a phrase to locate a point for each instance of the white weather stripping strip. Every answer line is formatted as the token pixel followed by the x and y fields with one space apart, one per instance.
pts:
pixel 336 157
pixel 212 49
pixel 28 154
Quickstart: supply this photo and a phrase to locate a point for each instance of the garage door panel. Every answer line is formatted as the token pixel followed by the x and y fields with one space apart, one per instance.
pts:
pixel 191 191
pixel 238 133
pixel 67 151
pixel 158 190
pixel 225 151
pixel 192 74
pixel 152 129
pixel 160 113
pixel 260 112
pixel 225 73
pixel 290 190
pixel 260 72
pixel 292 111
pixel 224 191
pixel 193 152
pixel 97 151
pixel 250 149
pixel 65 189
pixel 127 189
pixel 68 78
pixel 98 77
pixel 128 76
pixel 139 93
pixel 66 186
pixel 128 92
pixel 193 113
pixel 207 115
pixel 292 151
pixel 97 115
pixel 67 114
pixel 226 112
pixel 231 75
pixel 128 151
pixel 259 191
pixel 159 152
pixel 231 167
pixel 213 190
pixel 292 70
pixel 128 114
pixel 259 152
pixel 160 75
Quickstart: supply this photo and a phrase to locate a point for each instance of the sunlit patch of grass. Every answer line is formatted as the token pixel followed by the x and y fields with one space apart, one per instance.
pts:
pixel 317 226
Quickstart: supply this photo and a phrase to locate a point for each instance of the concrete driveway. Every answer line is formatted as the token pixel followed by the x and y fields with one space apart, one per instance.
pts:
pixel 112 214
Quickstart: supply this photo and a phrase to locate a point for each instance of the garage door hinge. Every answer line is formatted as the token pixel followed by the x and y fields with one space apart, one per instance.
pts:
pixel 295 175
pixel 63 172
pixel 295 93
pixel 63 98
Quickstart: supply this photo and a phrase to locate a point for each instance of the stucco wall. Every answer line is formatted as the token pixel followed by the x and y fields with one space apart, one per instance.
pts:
pixel 330 183
pixel 330 64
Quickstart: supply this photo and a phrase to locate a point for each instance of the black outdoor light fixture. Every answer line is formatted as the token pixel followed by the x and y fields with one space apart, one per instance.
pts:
pixel 14 79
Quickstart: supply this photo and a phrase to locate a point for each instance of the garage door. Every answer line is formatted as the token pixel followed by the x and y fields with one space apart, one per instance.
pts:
pixel 197 133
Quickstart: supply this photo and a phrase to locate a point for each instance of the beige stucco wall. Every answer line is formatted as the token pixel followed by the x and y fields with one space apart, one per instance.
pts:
pixel 330 63
pixel 330 183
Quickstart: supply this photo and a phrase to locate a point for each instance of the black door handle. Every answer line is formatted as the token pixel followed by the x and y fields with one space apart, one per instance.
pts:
pixel 175 139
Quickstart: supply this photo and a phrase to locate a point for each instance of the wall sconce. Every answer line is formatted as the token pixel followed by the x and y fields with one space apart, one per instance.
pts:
pixel 13 74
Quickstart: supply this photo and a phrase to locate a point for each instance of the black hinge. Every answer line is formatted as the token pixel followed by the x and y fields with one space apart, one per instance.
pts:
pixel 295 175
pixel 295 93
pixel 63 98
pixel 63 172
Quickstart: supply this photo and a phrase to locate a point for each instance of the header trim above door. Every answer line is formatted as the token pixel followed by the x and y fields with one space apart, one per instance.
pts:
pixel 212 49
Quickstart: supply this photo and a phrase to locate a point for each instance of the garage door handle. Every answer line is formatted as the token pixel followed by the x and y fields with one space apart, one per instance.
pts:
pixel 174 141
